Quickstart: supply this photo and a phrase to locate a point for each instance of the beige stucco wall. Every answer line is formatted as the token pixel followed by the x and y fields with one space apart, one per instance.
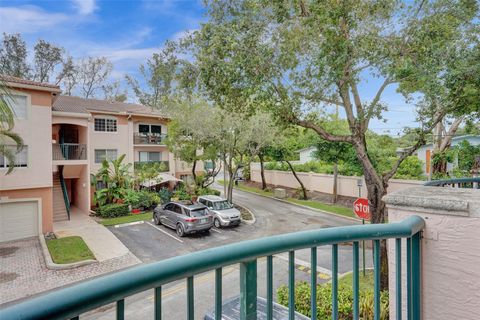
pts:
pixel 347 186
pixel 36 132
pixel 450 250
pixel 122 140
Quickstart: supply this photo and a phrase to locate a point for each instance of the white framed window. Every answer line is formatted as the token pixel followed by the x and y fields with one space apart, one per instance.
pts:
pixel 105 154
pixel 105 125
pixel 18 104
pixel 150 128
pixel 147 156
pixel 21 158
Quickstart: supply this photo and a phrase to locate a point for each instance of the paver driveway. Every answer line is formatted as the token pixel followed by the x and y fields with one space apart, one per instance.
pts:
pixel 23 271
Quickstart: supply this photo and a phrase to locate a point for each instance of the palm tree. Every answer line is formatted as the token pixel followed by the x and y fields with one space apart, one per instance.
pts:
pixel 7 122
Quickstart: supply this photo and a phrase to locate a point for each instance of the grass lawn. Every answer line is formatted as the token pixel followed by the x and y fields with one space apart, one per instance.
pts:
pixel 347 212
pixel 127 219
pixel 69 250
pixel 366 283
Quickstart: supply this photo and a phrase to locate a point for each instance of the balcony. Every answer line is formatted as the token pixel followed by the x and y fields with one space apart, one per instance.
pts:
pixel 71 302
pixel 69 151
pixel 162 166
pixel 149 138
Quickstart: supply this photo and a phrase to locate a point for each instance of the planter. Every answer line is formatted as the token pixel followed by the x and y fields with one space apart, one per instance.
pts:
pixel 136 211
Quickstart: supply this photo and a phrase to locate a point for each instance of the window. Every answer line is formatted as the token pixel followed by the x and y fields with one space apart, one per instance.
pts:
pixel 169 207
pixel 21 158
pixel 198 213
pixel 149 128
pixel 102 154
pixel 18 105
pixel 177 209
pixel 146 156
pixel 105 125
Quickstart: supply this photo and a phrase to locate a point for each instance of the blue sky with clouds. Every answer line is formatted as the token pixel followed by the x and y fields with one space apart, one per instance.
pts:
pixel 128 32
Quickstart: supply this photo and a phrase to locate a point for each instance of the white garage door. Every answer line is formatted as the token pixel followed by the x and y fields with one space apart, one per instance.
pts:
pixel 18 220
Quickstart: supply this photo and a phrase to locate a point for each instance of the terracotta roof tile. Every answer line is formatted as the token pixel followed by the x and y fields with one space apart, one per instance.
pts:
pixel 12 79
pixel 82 105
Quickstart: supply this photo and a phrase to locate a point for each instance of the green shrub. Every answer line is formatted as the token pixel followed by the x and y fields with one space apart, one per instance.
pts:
pixel 207 191
pixel 113 210
pixel 181 193
pixel 132 198
pixel 324 301
pixel 410 168
pixel 165 195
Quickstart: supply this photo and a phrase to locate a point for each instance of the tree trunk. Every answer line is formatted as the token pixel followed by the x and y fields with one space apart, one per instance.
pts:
pixel 376 190
pixel 304 191
pixel 335 181
pixel 194 166
pixel 262 172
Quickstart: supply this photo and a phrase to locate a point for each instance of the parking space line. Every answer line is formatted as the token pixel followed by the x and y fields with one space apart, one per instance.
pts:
pixel 168 234
pixel 128 224
pixel 216 230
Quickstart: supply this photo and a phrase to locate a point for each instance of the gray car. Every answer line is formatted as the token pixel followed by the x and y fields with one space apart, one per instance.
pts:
pixel 185 218
pixel 224 214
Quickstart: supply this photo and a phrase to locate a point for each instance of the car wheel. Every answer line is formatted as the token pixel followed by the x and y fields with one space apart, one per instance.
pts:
pixel 217 223
pixel 156 219
pixel 180 231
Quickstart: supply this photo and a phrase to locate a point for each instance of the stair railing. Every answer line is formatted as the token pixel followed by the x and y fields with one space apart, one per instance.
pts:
pixel 65 192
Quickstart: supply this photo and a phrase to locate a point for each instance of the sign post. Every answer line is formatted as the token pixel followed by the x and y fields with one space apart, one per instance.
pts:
pixel 361 209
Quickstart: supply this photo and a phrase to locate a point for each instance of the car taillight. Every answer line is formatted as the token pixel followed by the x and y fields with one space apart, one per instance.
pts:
pixel 190 219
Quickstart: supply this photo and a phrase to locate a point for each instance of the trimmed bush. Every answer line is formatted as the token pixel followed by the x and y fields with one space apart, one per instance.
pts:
pixel 113 210
pixel 324 301
pixel 208 191
pixel 165 195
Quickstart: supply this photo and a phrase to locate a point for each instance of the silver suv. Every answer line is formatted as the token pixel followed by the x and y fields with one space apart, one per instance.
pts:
pixel 224 214
pixel 183 217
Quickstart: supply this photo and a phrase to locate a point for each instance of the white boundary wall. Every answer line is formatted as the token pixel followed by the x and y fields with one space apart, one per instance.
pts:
pixel 347 185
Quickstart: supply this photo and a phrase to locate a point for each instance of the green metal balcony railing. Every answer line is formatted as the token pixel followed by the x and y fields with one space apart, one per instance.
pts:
pixel 69 303
pixel 456 183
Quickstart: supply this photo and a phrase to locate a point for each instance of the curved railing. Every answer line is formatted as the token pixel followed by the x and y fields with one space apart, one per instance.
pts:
pixel 73 301
pixel 456 183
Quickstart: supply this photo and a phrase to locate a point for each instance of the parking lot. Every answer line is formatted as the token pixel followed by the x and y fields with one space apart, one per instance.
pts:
pixel 150 243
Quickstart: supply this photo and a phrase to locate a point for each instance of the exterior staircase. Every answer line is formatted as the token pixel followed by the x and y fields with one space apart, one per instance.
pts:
pixel 59 209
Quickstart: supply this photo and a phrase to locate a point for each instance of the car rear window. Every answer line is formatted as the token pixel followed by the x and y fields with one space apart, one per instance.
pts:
pixel 198 213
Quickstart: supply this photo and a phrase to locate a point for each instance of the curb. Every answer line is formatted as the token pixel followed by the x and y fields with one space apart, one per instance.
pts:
pixel 302 206
pixel 251 212
pixel 55 266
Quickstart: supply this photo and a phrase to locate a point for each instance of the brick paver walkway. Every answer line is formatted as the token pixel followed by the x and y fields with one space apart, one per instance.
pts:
pixel 23 271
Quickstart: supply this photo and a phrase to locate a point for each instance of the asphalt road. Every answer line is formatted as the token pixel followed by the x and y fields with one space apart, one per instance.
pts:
pixel 153 243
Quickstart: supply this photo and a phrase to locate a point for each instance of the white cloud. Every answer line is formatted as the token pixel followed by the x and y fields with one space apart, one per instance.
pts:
pixel 85 6
pixel 28 19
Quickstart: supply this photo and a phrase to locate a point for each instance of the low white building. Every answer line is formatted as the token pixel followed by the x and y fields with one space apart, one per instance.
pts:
pixel 425 152
pixel 307 154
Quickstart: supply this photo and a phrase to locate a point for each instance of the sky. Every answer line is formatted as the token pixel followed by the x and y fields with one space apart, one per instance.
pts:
pixel 128 32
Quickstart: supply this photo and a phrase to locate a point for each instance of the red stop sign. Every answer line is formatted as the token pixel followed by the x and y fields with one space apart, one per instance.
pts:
pixel 361 208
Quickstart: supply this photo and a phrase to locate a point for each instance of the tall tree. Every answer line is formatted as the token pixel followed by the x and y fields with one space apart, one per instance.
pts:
pixel 310 56
pixel 93 72
pixel 10 142
pixel 158 77
pixel 47 56
pixel 13 56
pixel 113 92
pixel 68 76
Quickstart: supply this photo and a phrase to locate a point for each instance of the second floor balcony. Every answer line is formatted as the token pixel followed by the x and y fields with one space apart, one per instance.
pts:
pixel 69 151
pixel 149 138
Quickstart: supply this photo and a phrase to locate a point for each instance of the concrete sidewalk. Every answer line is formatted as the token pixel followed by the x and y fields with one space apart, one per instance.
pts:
pixel 100 240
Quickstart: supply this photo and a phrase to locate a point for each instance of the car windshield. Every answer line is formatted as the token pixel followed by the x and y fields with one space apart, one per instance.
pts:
pixel 222 205
pixel 198 213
